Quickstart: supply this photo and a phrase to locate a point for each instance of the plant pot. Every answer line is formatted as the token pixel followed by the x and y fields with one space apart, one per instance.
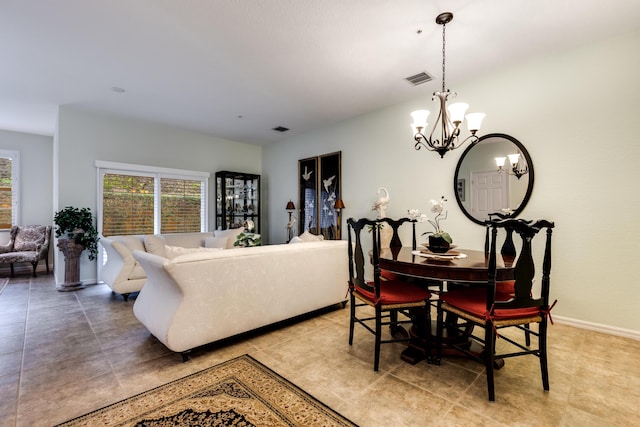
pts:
pixel 438 244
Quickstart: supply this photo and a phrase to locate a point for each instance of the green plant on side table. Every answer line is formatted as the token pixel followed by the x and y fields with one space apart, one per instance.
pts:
pixel 75 226
pixel 246 239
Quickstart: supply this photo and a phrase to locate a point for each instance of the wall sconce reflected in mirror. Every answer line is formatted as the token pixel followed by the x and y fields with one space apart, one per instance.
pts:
pixel 516 169
pixel 290 208
pixel 338 206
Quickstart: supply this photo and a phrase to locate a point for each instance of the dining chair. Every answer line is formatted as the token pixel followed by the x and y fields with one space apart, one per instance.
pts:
pixel 390 297
pixel 494 309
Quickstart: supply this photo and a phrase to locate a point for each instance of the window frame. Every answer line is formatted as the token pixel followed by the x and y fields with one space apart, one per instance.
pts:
pixel 105 167
pixel 14 156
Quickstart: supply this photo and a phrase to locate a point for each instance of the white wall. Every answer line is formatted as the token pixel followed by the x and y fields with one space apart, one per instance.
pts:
pixel 575 113
pixel 36 197
pixel 35 175
pixel 84 137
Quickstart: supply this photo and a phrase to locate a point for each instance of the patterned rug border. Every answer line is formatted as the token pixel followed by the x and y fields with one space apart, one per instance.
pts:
pixel 318 405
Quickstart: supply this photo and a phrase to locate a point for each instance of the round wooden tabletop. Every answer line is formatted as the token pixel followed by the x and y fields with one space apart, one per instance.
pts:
pixel 473 268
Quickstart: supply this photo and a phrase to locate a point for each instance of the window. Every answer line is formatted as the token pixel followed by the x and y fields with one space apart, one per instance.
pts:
pixel 136 199
pixel 9 188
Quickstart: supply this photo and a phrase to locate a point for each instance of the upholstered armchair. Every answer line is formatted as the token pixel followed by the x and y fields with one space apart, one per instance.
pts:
pixel 28 243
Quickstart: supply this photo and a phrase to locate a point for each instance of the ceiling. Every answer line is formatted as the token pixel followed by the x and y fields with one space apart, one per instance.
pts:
pixel 238 68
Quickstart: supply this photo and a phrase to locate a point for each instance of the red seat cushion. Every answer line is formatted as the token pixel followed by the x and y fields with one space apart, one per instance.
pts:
pixel 474 302
pixel 396 292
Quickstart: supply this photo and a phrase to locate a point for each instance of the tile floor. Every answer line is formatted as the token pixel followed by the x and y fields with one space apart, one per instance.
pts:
pixel 65 354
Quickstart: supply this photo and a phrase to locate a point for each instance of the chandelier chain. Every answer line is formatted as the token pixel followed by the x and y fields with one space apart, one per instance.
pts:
pixel 443 56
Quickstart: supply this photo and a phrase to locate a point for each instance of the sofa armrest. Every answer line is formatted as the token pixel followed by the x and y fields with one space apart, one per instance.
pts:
pixel 120 262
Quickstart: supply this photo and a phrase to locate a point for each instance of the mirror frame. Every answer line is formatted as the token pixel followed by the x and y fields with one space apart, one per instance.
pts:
pixel 527 157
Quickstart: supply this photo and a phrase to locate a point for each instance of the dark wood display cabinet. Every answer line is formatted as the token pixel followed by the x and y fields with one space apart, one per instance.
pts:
pixel 237 199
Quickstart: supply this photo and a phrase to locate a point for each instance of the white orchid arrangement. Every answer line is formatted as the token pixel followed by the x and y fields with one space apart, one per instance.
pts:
pixel 437 207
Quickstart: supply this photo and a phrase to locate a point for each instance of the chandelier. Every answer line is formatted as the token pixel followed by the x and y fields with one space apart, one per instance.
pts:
pixel 516 169
pixel 448 122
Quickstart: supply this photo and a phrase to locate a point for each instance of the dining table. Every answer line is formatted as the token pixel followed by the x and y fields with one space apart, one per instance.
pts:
pixel 464 267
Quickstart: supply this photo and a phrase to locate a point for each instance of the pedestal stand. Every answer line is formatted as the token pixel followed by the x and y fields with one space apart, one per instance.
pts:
pixel 72 251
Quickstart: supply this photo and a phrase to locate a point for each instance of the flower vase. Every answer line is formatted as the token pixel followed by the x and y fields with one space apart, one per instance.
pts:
pixel 438 244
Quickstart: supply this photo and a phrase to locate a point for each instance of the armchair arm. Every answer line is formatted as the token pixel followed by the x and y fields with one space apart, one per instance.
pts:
pixel 6 248
pixel 43 248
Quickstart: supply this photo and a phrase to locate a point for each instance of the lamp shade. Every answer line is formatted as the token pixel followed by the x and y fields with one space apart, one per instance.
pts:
pixel 474 121
pixel 500 161
pixel 290 206
pixel 456 111
pixel 513 159
pixel 420 118
pixel 339 204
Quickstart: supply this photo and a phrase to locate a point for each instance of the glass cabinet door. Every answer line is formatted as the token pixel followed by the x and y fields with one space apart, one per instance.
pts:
pixel 237 200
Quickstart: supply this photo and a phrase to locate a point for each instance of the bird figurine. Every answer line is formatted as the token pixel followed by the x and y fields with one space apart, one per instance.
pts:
pixel 381 202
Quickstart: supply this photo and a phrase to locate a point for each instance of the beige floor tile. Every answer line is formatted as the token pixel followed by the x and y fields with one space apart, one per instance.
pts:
pixel 86 349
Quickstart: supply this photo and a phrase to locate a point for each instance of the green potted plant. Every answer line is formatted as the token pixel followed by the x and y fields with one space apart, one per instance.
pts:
pixel 77 224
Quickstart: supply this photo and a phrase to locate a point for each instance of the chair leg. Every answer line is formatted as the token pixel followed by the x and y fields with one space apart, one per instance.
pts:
pixel 11 269
pixel 542 347
pixel 352 318
pixel 376 362
pixel 35 265
pixel 489 346
pixel 527 335
pixel 46 262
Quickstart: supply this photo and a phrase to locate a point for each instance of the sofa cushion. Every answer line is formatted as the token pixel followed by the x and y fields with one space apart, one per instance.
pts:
pixel 133 243
pixel 137 272
pixel 155 244
pixel 216 242
pixel 231 234
pixel 175 251
pixel 307 236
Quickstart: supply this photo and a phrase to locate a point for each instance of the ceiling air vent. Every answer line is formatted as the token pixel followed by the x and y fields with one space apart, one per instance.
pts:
pixel 419 78
pixel 280 129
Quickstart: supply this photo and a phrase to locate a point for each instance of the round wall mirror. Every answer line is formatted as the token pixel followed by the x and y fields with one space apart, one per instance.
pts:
pixel 482 188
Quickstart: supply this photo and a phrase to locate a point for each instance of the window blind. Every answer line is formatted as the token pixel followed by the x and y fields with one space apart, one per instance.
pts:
pixel 181 205
pixel 127 204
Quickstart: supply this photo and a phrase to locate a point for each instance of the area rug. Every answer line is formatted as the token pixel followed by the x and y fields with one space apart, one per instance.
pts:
pixel 240 392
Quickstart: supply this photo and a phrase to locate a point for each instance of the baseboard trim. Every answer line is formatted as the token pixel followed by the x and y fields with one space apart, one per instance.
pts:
pixel 597 327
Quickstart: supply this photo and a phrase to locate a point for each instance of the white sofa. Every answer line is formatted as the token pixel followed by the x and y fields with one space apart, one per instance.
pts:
pixel 123 274
pixel 199 298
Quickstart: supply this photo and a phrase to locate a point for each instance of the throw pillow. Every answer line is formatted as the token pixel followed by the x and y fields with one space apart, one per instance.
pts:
pixel 307 236
pixel 231 234
pixel 216 242
pixel 175 251
pixel 155 244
